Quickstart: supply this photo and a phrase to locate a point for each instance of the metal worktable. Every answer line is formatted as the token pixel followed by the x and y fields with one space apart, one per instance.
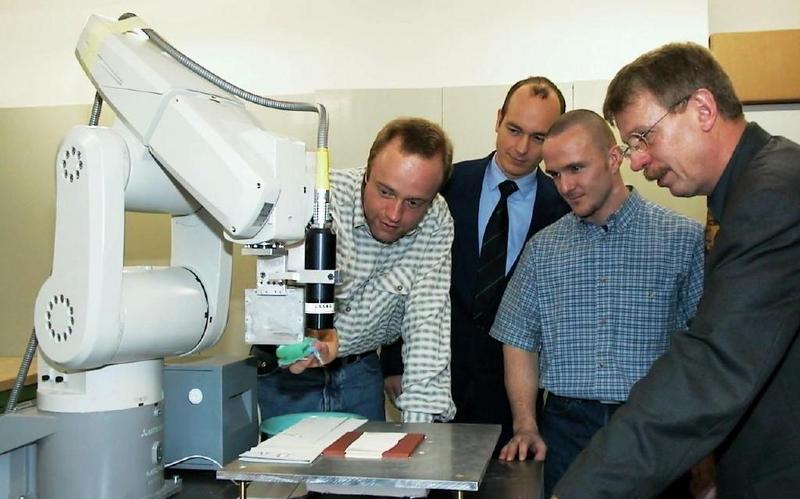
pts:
pixel 452 457
pixel 502 480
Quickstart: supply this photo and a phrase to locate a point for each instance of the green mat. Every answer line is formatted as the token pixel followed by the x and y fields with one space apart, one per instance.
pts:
pixel 276 424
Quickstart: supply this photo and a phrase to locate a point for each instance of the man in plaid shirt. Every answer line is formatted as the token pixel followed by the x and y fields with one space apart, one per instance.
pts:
pixel 594 300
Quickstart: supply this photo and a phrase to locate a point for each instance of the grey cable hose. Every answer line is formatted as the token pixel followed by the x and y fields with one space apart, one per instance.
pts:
pixel 30 351
pixel 94 118
pixel 322 131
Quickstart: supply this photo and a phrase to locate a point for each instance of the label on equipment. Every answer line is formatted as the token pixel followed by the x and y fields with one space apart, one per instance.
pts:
pixel 319 308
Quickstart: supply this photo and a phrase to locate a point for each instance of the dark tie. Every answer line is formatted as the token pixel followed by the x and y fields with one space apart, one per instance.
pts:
pixel 492 261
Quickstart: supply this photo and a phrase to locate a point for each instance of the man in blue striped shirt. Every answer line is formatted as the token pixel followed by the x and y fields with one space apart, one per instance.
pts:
pixel 594 300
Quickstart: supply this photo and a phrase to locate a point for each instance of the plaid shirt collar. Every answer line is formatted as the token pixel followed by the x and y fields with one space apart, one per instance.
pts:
pixel 619 219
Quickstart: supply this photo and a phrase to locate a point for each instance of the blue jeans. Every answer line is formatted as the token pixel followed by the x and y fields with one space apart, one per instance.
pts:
pixel 342 386
pixel 567 425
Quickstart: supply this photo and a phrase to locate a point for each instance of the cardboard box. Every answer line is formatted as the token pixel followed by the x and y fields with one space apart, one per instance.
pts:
pixel 763 65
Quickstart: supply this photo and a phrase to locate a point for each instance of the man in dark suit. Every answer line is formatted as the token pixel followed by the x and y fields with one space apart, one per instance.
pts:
pixel 530 107
pixel 732 381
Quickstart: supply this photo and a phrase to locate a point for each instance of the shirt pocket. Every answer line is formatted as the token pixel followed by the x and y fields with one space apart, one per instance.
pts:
pixel 390 292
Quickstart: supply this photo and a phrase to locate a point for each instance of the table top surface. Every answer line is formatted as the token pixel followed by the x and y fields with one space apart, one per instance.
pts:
pixel 9 367
pixel 452 457
pixel 502 480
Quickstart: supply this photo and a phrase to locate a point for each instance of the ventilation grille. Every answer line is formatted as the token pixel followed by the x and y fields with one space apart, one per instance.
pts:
pixel 60 318
pixel 72 164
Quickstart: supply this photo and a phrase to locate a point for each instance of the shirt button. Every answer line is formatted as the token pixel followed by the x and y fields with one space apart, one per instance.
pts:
pixel 399 288
pixel 603 280
pixel 347 309
pixel 603 322
pixel 601 364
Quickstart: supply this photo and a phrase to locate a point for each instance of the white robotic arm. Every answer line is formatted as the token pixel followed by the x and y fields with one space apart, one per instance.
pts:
pixel 201 134
pixel 256 186
pixel 185 147
pixel 181 146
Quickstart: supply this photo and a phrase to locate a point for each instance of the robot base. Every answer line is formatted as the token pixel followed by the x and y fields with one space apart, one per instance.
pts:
pixel 104 455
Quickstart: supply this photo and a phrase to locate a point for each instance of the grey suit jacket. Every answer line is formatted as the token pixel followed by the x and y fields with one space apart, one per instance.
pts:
pixel 732 382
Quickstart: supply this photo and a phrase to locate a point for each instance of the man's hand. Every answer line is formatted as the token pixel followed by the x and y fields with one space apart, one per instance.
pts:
pixel 703 482
pixel 327 346
pixel 522 443
pixel 393 387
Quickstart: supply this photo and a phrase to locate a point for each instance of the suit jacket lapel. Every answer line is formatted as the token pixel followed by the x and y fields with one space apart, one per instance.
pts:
pixel 473 183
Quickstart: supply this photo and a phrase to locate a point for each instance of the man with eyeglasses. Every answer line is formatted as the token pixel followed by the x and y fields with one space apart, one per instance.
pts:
pixel 594 300
pixel 732 381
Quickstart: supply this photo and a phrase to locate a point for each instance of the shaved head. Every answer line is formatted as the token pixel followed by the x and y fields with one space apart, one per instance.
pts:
pixel 598 129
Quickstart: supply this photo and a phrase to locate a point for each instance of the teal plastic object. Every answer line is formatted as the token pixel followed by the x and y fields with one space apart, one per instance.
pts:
pixel 277 424
pixel 289 354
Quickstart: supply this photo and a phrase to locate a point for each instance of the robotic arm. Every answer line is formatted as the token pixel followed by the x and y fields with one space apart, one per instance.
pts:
pixel 187 147
pixel 181 146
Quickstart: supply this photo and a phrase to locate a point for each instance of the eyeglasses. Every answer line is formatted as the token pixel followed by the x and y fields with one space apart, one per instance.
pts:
pixel 638 142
